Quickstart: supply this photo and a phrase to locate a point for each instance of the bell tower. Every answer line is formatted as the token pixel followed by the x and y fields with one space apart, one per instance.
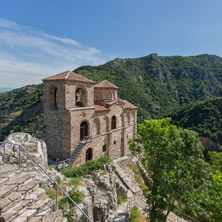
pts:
pixel 62 94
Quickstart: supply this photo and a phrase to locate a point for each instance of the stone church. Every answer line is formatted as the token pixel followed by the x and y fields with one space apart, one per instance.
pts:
pixel 85 120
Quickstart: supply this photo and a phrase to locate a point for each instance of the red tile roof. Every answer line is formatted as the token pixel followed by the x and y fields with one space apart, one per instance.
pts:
pixel 100 107
pixel 68 75
pixel 105 84
pixel 129 105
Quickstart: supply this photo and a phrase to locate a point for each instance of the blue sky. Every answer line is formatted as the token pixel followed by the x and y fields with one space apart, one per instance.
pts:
pixel 45 37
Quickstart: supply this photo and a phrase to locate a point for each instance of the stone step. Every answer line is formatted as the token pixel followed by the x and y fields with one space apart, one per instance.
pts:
pixel 55 216
pixel 28 187
pixel 40 204
pixel 44 212
pixel 35 208
pixel 21 198
pixel 15 197
pixel 12 184
pixel 15 210
pixel 8 174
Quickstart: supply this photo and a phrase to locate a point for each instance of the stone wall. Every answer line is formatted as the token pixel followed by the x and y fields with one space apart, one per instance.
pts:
pixel 105 94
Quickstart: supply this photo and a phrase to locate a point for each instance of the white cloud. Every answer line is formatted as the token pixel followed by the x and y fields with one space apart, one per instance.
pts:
pixel 27 55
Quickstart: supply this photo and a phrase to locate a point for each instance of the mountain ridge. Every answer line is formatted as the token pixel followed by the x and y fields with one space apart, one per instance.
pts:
pixel 158 85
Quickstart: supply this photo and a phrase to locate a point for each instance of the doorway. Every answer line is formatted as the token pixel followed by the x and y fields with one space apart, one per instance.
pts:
pixel 89 154
pixel 83 130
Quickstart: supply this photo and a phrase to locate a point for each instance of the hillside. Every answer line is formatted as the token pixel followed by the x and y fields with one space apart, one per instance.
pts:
pixel 205 118
pixel 158 85
pixel 21 110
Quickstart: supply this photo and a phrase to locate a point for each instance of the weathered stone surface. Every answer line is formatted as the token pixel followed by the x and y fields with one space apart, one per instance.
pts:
pixel 35 147
pixel 101 208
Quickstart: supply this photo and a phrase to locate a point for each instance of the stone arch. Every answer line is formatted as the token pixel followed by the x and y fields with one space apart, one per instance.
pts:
pixel 54 97
pixel 81 97
pixel 89 154
pixel 84 129
pixel 113 122
pixel 106 119
pixel 96 125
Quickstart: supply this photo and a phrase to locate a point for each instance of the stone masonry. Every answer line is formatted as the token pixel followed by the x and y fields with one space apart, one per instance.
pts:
pixel 75 107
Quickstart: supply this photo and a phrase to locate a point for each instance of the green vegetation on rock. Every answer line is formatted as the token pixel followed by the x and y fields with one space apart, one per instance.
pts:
pixel 86 168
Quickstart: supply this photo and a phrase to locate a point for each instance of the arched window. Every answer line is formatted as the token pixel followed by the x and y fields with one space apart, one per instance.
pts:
pixel 113 123
pixel 54 98
pixel 83 130
pixel 80 97
pixel 89 154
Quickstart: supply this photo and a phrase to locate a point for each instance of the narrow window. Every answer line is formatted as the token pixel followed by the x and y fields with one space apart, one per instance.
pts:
pixel 114 141
pixel 54 98
pixel 104 95
pixel 113 124
pixel 104 148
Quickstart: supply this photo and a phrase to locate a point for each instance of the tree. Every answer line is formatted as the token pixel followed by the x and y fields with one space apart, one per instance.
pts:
pixel 173 157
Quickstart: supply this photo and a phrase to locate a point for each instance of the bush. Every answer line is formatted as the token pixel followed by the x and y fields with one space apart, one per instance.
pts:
pixel 75 194
pixel 87 167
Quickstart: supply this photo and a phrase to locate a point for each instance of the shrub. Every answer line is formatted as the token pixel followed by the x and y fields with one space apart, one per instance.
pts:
pixel 75 194
pixel 87 167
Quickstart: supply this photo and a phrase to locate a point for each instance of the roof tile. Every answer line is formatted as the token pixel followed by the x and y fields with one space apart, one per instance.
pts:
pixel 68 75
pixel 105 84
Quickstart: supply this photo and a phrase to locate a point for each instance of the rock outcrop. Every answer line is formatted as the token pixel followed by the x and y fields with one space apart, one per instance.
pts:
pixel 35 147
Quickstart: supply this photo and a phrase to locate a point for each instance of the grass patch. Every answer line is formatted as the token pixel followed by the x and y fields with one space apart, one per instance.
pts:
pixel 135 215
pixel 51 167
pixel 58 180
pixel 138 176
pixel 51 192
pixel 87 167
pixel 75 181
pixel 30 149
pixel 121 199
